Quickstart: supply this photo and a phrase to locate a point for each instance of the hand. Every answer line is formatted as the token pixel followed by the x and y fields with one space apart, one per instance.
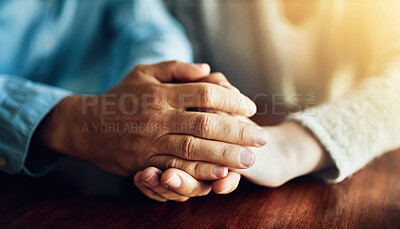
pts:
pixel 177 185
pixel 145 122
pixel 291 152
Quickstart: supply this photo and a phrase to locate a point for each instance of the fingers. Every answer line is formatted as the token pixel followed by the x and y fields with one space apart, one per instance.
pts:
pixel 196 149
pixel 173 71
pixel 198 169
pixel 202 95
pixel 173 184
pixel 227 184
pixel 178 185
pixel 151 177
pixel 206 95
pixel 217 127
pixel 219 79
pixel 146 191
pixel 184 184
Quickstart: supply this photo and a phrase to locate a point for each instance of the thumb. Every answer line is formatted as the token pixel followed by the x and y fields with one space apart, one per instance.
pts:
pixel 227 184
pixel 176 71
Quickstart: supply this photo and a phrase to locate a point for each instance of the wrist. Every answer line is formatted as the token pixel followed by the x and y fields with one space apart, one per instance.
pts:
pixel 59 128
pixel 304 151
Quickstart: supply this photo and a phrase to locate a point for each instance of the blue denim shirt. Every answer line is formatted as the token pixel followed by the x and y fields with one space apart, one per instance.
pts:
pixel 51 48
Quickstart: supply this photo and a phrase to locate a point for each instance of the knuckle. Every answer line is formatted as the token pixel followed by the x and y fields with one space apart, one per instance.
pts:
pixel 206 95
pixel 173 62
pixel 154 96
pixel 225 152
pixel 202 125
pixel 229 154
pixel 241 133
pixel 140 68
pixel 188 147
pixel 198 170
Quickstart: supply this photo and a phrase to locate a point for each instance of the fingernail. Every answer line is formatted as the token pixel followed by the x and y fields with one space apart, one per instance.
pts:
pixel 247 158
pixel 262 137
pixel 173 182
pixel 251 106
pixel 153 180
pixel 227 189
pixel 220 171
pixel 229 86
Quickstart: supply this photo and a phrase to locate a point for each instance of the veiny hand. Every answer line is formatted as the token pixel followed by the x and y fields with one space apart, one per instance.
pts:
pixel 291 152
pixel 143 121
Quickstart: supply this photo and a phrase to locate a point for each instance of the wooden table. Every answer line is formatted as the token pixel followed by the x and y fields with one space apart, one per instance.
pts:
pixel 76 194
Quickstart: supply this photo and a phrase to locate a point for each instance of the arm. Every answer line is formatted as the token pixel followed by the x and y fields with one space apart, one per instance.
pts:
pixel 23 105
pixel 33 109
pixel 364 123
pixel 343 135
pixel 359 127
pixel 146 124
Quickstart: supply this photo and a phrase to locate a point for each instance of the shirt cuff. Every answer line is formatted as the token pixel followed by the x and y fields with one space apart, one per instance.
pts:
pixel 24 106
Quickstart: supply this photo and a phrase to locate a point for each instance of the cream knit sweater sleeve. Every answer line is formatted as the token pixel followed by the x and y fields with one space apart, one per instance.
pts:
pixel 364 123
pixel 359 127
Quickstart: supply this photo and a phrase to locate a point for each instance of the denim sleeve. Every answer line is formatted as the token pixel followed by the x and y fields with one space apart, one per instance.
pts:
pixel 23 104
pixel 145 33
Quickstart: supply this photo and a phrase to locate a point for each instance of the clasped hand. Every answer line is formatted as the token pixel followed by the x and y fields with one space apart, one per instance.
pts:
pixel 203 144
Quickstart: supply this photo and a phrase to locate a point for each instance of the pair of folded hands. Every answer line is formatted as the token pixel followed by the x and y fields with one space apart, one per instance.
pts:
pixel 181 119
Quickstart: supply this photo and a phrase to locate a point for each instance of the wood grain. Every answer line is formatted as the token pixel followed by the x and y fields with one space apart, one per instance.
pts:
pixel 77 194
